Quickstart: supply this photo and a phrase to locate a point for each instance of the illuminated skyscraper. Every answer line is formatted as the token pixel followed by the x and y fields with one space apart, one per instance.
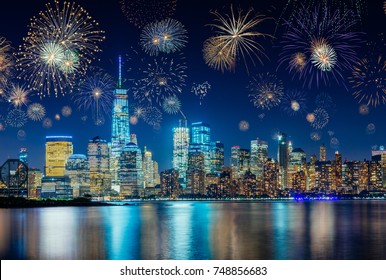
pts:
pixel 58 149
pixel 77 170
pixel 195 182
pixel 282 158
pixel 170 186
pixel 240 161
pixel 99 161
pixel 259 155
pixel 322 153
pixel 380 156
pixel 130 171
pixel 23 155
pixel 148 169
pixel 120 131
pixel 181 139
pixel 34 182
pixel 217 157
pixel 337 171
pixel 201 140
pixel 157 179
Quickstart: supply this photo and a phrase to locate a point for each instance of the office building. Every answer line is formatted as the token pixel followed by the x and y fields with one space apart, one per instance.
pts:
pixel 200 140
pixel 181 139
pixel 58 149
pixel 77 169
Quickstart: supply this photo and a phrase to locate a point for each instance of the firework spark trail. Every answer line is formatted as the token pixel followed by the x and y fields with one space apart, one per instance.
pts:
pixel 235 38
pixel 294 102
pixel 36 112
pixel 95 93
pixel 166 36
pixel 201 90
pixel 318 46
pixel 18 95
pixel 61 43
pixel 143 12
pixel 266 91
pixel 7 62
pixel 16 118
pixel 159 79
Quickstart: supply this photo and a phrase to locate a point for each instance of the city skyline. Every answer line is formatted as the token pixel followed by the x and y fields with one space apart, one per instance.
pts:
pixel 226 104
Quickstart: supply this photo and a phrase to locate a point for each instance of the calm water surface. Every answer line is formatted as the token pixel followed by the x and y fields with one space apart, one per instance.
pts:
pixel 198 230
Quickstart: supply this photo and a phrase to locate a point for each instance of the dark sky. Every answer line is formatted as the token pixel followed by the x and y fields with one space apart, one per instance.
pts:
pixel 226 104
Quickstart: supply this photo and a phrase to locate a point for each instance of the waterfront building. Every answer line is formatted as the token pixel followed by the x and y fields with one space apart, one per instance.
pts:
pixel 217 157
pixel 181 139
pixel 282 158
pixel 271 177
pixel 322 153
pixel 120 131
pixel 157 179
pixel 130 171
pixel 98 153
pixel 195 175
pixel 380 156
pixel 34 182
pixel 148 169
pixel 200 140
pixel 23 155
pixel 77 169
pixel 170 184
pixel 58 187
pixel 58 149
pixel 337 176
pixel 259 155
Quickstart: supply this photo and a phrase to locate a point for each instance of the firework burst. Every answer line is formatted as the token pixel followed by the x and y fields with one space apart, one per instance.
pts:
pixel 18 96
pixel 370 129
pixel 267 91
pixel 7 62
pixel 161 78
pixel 47 123
pixel 320 118
pixel 171 105
pixel 66 111
pixel 235 39
pixel 369 80
pixel 143 12
pixel 201 90
pixel 324 101
pixel 363 109
pixel 167 36
pixel 61 43
pixel 316 136
pixel 294 102
pixel 95 93
pixel 152 116
pixel 243 126
pixel 319 46
pixel 16 118
pixel 36 112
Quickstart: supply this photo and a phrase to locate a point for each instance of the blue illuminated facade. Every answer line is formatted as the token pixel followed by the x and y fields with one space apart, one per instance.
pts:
pixel 200 140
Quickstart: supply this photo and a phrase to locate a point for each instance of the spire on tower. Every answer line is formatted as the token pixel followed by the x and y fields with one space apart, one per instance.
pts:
pixel 120 71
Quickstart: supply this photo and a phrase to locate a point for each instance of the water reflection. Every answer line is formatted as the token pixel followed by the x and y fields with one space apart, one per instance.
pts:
pixel 197 230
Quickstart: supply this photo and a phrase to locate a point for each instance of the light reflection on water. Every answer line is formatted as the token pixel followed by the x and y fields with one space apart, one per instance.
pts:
pixel 198 230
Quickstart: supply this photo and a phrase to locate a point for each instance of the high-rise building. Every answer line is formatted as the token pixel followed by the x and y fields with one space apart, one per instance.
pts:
pixel 77 169
pixel 259 155
pixel 130 171
pixel 240 161
pixel 157 179
pixel 148 169
pixel 282 158
pixel 34 182
pixel 380 156
pixel 217 157
pixel 337 171
pixel 98 153
pixel 181 139
pixel 271 177
pixel 23 155
pixel 58 149
pixel 201 140
pixel 170 183
pixel 322 153
pixel 195 175
pixel 297 169
pixel 120 131
pixel 133 138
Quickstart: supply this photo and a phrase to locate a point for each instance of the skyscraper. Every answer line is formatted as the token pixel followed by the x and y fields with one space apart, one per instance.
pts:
pixel 217 157
pixel 201 140
pixel 259 155
pixel 23 155
pixel 58 149
pixel 120 132
pixel 195 173
pixel 130 171
pixel 282 158
pixel 77 170
pixel 181 139
pixel 170 186
pixel 322 153
pixel 240 161
pixel 99 163
pixel 148 169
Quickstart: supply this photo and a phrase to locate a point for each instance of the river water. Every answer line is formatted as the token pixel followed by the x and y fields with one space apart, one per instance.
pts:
pixel 197 230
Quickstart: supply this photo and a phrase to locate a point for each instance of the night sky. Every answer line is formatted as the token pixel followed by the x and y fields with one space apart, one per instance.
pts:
pixel 226 104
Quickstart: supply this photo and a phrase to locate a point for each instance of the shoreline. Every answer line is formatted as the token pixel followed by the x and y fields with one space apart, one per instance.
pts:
pixel 15 202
